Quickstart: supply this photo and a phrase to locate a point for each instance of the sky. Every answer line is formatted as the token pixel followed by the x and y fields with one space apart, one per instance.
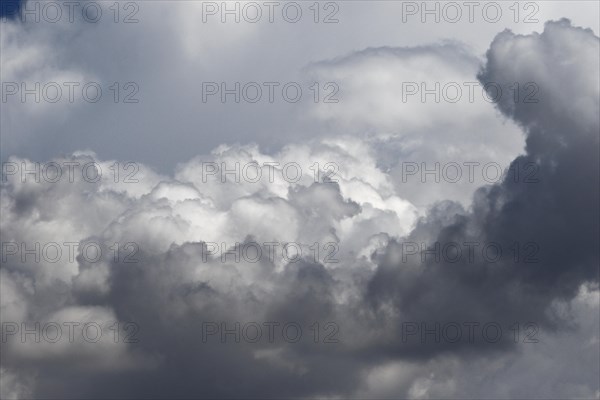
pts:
pixel 342 199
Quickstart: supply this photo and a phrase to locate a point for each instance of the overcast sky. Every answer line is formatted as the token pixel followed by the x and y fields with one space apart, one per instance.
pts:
pixel 345 199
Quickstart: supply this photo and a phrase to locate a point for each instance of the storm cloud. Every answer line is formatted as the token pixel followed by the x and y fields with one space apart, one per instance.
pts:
pixel 372 293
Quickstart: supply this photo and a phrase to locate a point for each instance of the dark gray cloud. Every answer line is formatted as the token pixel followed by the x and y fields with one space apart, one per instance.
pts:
pixel 171 293
pixel 559 213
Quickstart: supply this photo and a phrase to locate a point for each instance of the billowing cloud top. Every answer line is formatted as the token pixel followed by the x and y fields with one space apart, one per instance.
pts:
pixel 185 255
